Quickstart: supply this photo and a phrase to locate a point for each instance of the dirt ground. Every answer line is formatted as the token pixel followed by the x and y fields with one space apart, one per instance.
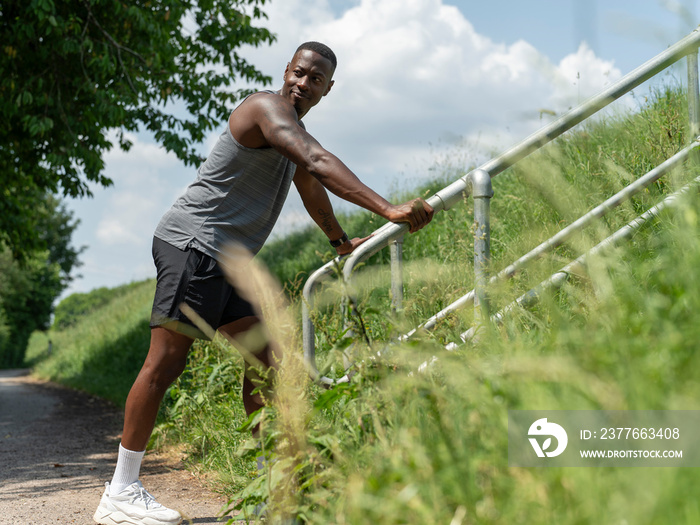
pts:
pixel 59 446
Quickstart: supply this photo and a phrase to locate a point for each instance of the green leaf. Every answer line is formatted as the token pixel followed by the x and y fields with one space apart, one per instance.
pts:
pixel 90 67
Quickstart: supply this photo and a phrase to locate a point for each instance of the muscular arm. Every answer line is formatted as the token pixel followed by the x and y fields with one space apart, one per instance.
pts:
pixel 281 130
pixel 317 203
pixel 270 121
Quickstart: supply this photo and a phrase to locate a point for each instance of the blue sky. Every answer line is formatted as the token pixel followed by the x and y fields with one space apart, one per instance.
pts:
pixel 626 31
pixel 419 83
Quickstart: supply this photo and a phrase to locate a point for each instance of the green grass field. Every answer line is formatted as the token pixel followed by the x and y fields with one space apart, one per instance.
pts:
pixel 398 446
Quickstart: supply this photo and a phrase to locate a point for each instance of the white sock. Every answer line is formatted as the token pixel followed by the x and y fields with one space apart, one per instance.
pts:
pixel 127 471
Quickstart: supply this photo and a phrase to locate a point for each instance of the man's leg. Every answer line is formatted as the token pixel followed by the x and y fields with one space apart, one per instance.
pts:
pixel 242 332
pixel 164 363
pixel 125 501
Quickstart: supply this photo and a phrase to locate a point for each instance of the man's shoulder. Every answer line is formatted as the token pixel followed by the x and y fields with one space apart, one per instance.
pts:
pixel 259 104
pixel 265 99
pixel 269 106
pixel 257 115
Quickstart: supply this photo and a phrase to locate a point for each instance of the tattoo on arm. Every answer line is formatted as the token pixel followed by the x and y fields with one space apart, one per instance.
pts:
pixel 325 219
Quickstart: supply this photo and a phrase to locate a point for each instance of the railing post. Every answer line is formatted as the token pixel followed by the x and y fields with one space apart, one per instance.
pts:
pixel 307 306
pixel 308 333
pixel 452 194
pixel 479 182
pixel 693 95
pixel 397 274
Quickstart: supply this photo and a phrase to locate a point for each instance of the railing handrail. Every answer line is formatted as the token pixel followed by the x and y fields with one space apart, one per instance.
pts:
pixel 453 193
pixel 559 277
pixel 562 235
pixel 448 196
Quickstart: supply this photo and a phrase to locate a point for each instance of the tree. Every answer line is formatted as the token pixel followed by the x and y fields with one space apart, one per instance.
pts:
pixel 72 70
pixel 28 288
pixel 25 302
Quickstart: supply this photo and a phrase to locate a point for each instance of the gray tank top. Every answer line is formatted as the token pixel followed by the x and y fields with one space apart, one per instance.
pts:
pixel 237 197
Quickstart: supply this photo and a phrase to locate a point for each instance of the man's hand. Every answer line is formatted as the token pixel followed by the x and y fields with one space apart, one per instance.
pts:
pixel 417 213
pixel 348 247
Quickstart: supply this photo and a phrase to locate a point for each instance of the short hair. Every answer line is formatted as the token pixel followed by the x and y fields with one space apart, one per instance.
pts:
pixel 321 49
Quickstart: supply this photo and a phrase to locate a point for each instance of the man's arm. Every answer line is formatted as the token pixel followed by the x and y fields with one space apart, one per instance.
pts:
pixel 317 203
pixel 269 120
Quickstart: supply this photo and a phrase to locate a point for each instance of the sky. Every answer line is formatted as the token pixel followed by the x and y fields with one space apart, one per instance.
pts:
pixel 421 86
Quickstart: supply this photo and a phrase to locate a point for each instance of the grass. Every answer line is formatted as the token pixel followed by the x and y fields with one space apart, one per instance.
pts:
pixel 398 446
pixel 103 352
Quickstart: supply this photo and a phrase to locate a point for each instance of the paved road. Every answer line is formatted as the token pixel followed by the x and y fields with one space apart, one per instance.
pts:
pixel 58 447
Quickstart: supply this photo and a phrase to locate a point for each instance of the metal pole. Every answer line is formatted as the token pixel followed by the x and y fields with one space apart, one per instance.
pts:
pixel 307 306
pixel 559 238
pixel 452 194
pixel 481 190
pixel 557 279
pixel 627 83
pixel 308 335
pixel 396 249
pixel 693 95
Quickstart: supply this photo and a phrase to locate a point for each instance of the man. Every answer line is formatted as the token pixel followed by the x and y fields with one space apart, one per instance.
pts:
pixel 237 197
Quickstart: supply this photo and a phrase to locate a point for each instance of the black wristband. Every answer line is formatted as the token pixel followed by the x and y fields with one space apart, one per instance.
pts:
pixel 340 241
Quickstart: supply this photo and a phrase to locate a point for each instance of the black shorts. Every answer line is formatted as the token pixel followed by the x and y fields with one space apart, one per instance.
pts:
pixel 192 277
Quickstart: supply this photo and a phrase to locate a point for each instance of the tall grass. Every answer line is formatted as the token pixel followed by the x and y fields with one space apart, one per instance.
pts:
pixel 403 447
pixel 103 352
pixel 396 445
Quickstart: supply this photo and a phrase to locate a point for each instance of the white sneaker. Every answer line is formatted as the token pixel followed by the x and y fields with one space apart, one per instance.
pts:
pixel 134 506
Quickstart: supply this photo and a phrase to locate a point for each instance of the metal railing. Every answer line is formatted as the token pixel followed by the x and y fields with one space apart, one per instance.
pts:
pixel 557 279
pixel 473 184
pixel 560 237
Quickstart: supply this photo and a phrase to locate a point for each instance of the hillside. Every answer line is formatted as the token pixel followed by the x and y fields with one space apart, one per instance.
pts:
pixel 100 351
pixel 397 446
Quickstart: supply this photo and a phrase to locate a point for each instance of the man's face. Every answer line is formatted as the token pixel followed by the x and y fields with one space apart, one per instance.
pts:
pixel 307 79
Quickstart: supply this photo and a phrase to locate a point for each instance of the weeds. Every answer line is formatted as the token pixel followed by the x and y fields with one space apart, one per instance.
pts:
pixel 399 445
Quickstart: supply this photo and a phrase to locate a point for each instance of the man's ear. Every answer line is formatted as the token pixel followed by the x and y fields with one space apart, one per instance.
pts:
pixel 330 85
pixel 286 70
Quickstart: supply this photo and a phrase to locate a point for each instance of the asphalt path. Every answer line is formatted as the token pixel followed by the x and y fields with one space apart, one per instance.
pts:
pixel 58 447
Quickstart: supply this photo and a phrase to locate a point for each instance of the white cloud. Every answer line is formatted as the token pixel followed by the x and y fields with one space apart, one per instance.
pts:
pixel 413 71
pixel 414 78
pixel 585 73
pixel 117 224
pixel 114 231
pixel 141 154
pixel 145 179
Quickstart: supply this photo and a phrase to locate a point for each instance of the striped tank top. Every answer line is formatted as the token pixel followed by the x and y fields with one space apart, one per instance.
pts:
pixel 237 197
